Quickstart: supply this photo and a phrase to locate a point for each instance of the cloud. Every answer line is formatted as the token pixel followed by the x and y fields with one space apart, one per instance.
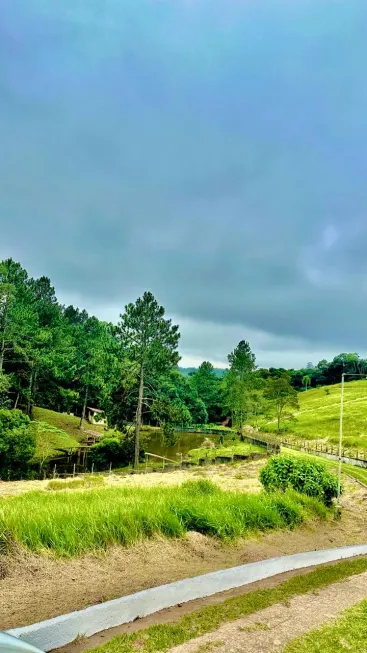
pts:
pixel 211 152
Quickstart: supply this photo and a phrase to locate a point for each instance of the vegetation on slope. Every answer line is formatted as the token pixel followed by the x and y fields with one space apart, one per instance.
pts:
pixel 208 619
pixel 69 424
pixel 319 414
pixel 52 441
pixel 71 523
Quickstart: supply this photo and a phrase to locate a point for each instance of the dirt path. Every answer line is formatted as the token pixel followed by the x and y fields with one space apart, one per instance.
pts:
pixel 271 629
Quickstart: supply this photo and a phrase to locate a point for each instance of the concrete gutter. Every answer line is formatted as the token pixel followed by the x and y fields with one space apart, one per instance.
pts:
pixel 57 632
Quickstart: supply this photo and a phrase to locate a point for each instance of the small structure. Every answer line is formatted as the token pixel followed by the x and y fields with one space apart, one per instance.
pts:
pixel 96 416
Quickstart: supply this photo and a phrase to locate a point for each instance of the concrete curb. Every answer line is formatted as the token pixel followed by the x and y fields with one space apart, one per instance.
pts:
pixel 57 632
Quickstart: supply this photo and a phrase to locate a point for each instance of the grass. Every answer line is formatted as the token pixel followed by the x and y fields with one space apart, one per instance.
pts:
pixel 208 619
pixel 233 448
pixel 70 524
pixel 61 431
pixel 349 633
pixel 319 414
pixel 76 483
pixel 67 423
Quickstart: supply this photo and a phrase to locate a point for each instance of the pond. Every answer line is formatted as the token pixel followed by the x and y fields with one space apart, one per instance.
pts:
pixel 185 443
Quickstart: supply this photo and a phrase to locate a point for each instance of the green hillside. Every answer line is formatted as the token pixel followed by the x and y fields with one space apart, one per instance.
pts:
pixel 319 415
pixel 55 431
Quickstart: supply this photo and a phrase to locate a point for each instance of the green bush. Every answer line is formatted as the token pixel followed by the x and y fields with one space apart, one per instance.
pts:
pixel 17 443
pixel 308 477
pixel 118 450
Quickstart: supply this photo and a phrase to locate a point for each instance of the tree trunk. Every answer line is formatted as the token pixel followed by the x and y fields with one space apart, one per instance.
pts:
pixel 4 325
pixel 34 389
pixel 84 407
pixel 16 401
pixel 138 418
pixel 29 402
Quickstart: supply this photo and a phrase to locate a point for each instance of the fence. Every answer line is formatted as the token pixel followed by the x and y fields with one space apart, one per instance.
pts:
pixel 328 451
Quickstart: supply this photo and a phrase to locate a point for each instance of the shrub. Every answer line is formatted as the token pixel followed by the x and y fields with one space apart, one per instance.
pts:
pixel 307 477
pixel 17 443
pixel 116 450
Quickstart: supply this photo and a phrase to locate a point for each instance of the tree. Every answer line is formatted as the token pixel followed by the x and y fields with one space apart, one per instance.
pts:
pixel 4 387
pixel 94 355
pixel 306 381
pixel 6 298
pixel 151 342
pixel 17 443
pixel 208 388
pixel 238 380
pixel 282 397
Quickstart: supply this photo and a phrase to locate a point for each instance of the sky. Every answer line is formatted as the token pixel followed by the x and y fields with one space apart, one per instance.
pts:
pixel 213 152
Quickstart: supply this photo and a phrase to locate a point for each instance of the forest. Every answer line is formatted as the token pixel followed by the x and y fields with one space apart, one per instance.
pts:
pixel 59 357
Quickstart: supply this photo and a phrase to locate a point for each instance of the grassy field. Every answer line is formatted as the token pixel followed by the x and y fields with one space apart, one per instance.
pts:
pixel 233 448
pixel 319 414
pixel 349 633
pixel 208 619
pixel 72 523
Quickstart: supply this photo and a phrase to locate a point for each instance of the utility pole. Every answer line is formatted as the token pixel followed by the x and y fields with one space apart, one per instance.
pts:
pixel 341 432
pixel 340 438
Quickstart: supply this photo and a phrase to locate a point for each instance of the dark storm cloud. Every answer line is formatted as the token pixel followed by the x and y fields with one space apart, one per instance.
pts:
pixel 214 152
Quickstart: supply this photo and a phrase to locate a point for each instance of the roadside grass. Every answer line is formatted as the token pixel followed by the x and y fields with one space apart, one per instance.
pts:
pixel 318 418
pixel 89 481
pixel 208 619
pixel 233 448
pixel 349 633
pixel 359 473
pixel 70 524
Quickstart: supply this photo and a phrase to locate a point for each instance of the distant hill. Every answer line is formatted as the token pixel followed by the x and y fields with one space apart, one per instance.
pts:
pixel 186 371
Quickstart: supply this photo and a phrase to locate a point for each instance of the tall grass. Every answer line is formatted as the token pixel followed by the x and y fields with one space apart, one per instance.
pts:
pixel 70 524
pixel 76 483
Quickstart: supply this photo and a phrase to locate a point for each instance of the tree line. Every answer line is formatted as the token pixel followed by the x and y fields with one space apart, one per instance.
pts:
pixel 61 358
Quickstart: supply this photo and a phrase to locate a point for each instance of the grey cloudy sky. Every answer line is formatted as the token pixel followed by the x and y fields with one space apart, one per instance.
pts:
pixel 212 151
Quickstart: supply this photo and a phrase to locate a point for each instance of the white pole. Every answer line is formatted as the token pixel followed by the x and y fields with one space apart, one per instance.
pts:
pixel 341 437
